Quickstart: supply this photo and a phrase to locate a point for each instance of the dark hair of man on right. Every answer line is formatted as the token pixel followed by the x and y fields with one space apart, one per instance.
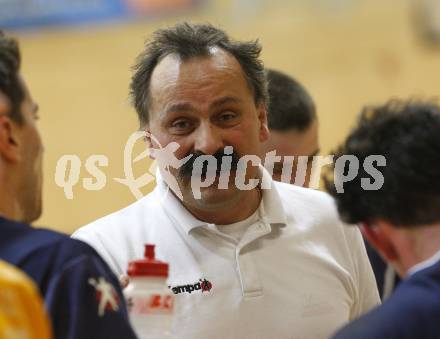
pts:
pixel 401 220
pixel 408 135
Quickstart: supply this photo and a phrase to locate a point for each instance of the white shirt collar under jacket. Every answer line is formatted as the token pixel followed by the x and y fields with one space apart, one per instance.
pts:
pixel 424 264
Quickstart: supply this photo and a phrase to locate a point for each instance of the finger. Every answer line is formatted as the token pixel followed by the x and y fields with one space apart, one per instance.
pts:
pixel 123 281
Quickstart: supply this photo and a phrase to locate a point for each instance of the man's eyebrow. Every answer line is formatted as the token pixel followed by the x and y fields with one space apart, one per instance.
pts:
pixel 187 107
pixel 180 107
pixel 225 100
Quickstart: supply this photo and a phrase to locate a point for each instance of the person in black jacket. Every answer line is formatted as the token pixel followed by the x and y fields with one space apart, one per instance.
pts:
pixel 293 125
pixel 399 214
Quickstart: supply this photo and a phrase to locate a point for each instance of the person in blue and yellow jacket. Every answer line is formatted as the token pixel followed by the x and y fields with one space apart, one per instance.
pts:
pixel 82 296
pixel 22 313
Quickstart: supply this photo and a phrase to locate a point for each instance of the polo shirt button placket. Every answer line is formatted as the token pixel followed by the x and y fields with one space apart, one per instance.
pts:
pixel 247 270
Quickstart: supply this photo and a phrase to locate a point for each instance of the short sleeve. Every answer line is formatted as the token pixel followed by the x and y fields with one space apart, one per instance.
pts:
pixel 85 301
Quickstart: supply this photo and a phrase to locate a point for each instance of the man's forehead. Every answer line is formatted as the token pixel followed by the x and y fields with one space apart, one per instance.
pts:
pixel 25 88
pixel 172 68
pixel 204 78
pixel 294 142
pixel 167 70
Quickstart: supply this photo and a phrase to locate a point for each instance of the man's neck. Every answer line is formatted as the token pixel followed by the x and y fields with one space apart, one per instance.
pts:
pixel 7 209
pixel 9 206
pixel 423 243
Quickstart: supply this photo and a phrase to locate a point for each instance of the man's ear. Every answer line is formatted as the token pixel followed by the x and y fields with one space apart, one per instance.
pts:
pixel 262 117
pixel 149 141
pixel 8 132
pixel 8 139
pixel 378 236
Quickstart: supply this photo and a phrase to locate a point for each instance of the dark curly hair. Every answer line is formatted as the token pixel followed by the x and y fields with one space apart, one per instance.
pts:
pixel 10 84
pixel 188 41
pixel 407 133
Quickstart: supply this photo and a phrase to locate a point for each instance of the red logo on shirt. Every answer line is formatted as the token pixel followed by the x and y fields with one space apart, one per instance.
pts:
pixel 206 285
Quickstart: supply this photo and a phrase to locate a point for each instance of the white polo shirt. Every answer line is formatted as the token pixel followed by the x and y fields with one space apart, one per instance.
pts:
pixel 296 273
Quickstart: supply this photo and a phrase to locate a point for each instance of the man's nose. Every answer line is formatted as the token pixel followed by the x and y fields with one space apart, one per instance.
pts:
pixel 208 139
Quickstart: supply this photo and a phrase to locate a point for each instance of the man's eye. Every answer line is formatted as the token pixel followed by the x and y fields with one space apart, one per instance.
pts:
pixel 227 117
pixel 181 124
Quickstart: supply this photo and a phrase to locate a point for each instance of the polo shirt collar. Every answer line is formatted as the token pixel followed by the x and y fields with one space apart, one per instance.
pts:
pixel 271 207
pixel 174 208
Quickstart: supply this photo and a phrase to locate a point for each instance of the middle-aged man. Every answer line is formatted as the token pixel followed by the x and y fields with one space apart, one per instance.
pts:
pixel 293 126
pixel 273 263
pixel 70 275
pixel 402 218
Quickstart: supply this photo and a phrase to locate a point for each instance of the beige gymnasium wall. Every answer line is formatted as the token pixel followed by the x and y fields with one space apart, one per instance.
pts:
pixel 347 53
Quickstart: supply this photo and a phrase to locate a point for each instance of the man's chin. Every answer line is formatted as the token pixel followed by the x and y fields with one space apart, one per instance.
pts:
pixel 213 195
